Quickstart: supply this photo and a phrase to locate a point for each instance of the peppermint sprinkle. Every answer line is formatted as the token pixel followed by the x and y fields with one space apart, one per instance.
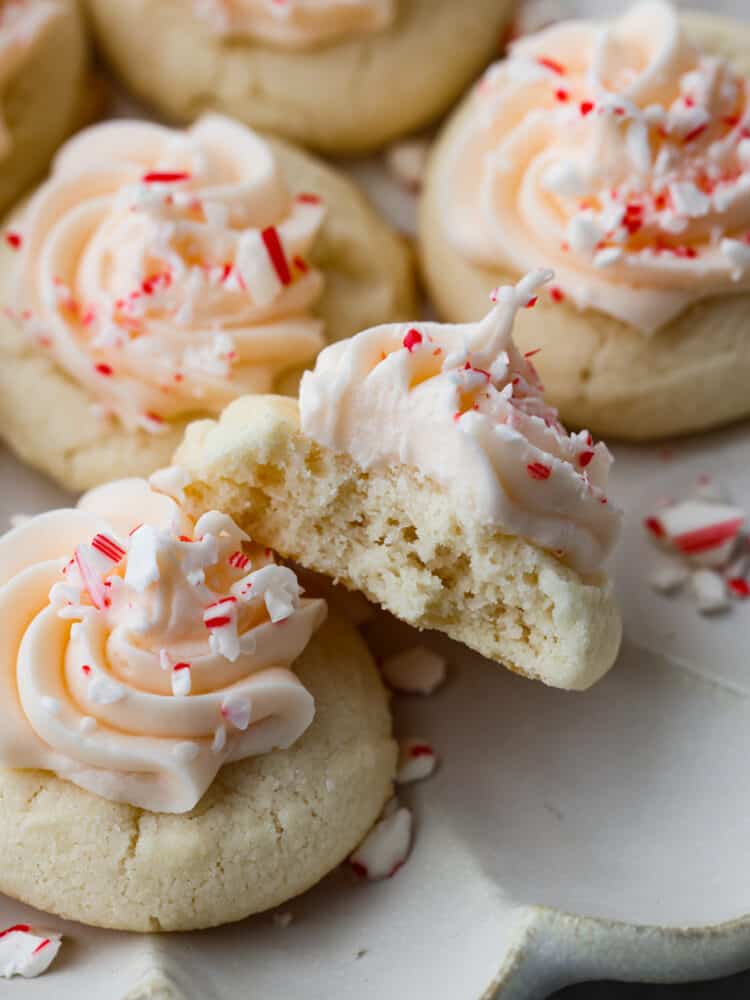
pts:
pixel 27 951
pixel 385 849
pixel 108 547
pixel 220 738
pixel 181 679
pixel 416 761
pixel 412 339
pixel 13 239
pixel 238 560
pixel 275 250
pixel 165 177
pixel 236 710
pixel 537 470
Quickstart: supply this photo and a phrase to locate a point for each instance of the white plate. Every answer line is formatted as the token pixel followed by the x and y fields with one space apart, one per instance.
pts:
pixel 565 837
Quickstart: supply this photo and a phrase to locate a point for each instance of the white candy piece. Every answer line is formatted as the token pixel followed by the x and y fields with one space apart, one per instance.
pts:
pixel 406 162
pixel 668 578
pixel 181 680
pixel 415 671
pixel 710 590
pixel 386 846
pixel 236 710
pixel 703 531
pixel 416 761
pixel 27 951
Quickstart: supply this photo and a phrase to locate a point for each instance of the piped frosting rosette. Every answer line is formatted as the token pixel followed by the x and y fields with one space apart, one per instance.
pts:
pixel 166 271
pixel 142 651
pixel 21 23
pixel 462 405
pixel 618 153
pixel 295 23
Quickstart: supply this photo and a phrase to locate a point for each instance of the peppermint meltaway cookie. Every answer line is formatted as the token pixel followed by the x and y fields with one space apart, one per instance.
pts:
pixel 425 469
pixel 620 154
pixel 43 62
pixel 158 274
pixel 183 740
pixel 341 76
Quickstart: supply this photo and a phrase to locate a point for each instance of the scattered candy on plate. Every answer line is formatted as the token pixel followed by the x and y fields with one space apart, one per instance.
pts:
pixel 701 539
pixel 416 760
pixel 27 951
pixel 386 847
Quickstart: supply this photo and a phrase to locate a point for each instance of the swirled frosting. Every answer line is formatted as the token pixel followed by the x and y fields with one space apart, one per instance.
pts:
pixel 295 24
pixel 141 650
pixel 21 23
pixel 619 154
pixel 465 408
pixel 165 271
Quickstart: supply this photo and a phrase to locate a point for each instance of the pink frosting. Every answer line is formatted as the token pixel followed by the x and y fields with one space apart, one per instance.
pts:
pixel 141 650
pixel 166 271
pixel 617 153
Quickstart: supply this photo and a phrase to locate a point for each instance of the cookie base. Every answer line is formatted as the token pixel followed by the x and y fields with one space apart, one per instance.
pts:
pixel 267 829
pixel 691 375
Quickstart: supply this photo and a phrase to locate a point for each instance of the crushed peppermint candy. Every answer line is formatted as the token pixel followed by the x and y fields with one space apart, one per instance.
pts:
pixel 386 847
pixel 416 761
pixel 702 542
pixel 190 263
pixel 415 671
pixel 646 201
pixel 27 951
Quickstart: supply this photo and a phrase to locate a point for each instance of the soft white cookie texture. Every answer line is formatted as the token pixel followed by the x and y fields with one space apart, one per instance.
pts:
pixel 267 829
pixel 602 372
pixel 43 64
pixel 395 79
pixel 396 536
pixel 52 421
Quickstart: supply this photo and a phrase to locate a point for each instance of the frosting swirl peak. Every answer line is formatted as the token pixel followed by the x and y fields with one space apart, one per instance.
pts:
pixel 617 152
pixel 165 271
pixel 462 405
pixel 144 650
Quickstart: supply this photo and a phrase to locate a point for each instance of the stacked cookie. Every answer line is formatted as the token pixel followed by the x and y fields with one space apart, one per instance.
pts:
pixel 171 693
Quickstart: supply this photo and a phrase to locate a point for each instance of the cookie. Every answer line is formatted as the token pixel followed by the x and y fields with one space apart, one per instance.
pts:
pixel 43 71
pixel 427 472
pixel 339 76
pixel 643 333
pixel 185 740
pixel 159 273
